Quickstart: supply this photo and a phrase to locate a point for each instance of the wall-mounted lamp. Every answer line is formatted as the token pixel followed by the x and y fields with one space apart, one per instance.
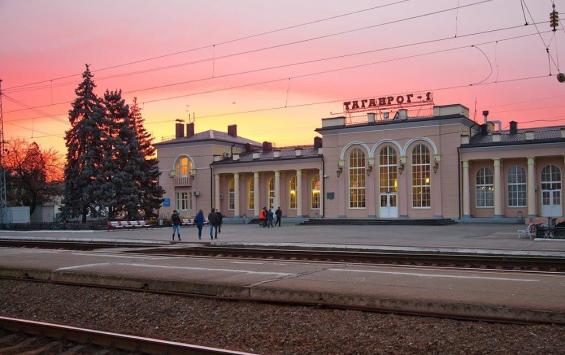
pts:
pixel 370 166
pixel 401 164
pixel 340 164
pixel 172 173
pixel 437 159
pixel 192 173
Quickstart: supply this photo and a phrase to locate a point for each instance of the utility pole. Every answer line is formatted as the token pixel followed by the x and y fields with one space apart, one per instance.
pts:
pixel 3 198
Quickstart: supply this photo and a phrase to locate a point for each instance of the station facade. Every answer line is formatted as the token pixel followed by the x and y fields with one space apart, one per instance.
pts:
pixel 441 165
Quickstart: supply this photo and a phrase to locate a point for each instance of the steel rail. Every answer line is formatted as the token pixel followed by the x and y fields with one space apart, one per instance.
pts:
pixel 482 261
pixel 107 339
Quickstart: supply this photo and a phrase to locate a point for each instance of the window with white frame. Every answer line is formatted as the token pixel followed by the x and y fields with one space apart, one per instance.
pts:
pixel 292 192
pixel 184 201
pixel 231 194
pixel 484 189
pixel 388 170
pixel 421 183
pixel 183 166
pixel 357 178
pixel 315 188
pixel 271 195
pixel 517 193
pixel 250 193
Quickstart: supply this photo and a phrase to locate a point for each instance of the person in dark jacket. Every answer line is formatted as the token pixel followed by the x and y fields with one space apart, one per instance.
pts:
pixel 199 221
pixel 270 218
pixel 212 222
pixel 220 218
pixel 278 216
pixel 175 221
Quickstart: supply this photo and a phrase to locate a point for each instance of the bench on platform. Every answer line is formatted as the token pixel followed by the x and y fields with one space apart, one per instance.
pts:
pixel 126 224
pixel 187 222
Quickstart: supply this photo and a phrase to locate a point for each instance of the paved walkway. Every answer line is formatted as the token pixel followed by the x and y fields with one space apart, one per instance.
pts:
pixel 483 237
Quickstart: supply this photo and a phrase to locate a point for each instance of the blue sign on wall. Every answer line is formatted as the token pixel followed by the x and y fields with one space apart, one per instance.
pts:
pixel 166 202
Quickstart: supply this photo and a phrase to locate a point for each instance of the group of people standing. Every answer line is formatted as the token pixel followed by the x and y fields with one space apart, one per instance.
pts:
pixel 267 216
pixel 215 219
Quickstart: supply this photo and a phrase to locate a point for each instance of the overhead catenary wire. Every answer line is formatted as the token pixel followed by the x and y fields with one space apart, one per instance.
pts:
pixel 436 40
pixel 237 39
pixel 214 58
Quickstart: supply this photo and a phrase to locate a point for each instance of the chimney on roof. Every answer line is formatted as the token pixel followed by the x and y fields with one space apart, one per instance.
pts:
pixel 317 142
pixel 513 127
pixel 179 129
pixel 267 146
pixel 485 115
pixel 232 130
pixel 189 129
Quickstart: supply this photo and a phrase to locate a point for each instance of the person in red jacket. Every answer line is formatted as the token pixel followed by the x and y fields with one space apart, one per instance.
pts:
pixel 263 217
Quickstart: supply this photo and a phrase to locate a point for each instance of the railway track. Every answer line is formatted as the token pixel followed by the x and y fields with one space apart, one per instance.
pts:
pixel 482 261
pixel 19 336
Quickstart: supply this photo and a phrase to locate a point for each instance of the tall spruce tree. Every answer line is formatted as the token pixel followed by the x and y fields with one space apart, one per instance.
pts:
pixel 86 142
pixel 125 163
pixel 151 193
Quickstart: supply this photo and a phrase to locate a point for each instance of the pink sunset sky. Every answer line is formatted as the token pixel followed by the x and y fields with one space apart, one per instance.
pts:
pixel 46 42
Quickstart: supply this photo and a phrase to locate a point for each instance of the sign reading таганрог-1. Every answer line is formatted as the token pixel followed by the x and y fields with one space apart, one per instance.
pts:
pixel 385 102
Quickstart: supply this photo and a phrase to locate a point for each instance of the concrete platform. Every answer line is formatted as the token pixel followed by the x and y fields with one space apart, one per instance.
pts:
pixel 456 293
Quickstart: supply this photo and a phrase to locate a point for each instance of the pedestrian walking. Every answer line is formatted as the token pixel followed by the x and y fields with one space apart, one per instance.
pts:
pixel 263 217
pixel 175 221
pixel 212 222
pixel 199 221
pixel 220 218
pixel 278 216
pixel 270 215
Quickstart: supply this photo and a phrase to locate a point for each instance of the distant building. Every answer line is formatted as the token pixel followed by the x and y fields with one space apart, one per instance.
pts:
pixel 443 165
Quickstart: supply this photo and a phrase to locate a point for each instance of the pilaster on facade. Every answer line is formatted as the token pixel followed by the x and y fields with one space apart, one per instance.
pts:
pixel 531 187
pixel 277 199
pixel 299 193
pixel 466 190
pixel 321 173
pixel 236 194
pixel 217 191
pixel 497 189
pixel 256 194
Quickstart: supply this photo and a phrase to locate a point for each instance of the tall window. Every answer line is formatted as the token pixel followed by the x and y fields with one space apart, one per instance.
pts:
pixel 388 171
pixel 292 192
pixel 550 185
pixel 517 187
pixel 357 179
pixel 315 188
pixel 184 201
pixel 484 188
pixel 231 195
pixel 421 184
pixel 271 196
pixel 183 166
pixel 250 193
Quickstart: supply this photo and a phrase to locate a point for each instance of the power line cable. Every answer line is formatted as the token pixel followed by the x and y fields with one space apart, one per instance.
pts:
pixel 214 58
pixel 237 39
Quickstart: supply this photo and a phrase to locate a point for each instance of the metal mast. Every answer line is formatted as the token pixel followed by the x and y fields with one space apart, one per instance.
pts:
pixel 3 199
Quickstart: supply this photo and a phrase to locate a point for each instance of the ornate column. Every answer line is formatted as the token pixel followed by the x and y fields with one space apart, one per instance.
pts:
pixel 321 173
pixel 298 192
pixel 497 189
pixel 256 194
pixel 216 192
pixel 531 187
pixel 236 194
pixel 466 191
pixel 277 199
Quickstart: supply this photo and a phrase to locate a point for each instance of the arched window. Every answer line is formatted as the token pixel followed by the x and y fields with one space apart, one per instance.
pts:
pixel 250 193
pixel 231 195
pixel 183 166
pixel 315 188
pixel 484 188
pixel 388 171
pixel 550 186
pixel 421 184
pixel 517 186
pixel 357 179
pixel 292 192
pixel 271 195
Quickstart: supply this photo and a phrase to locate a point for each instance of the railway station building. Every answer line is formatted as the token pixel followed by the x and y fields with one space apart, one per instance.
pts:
pixel 390 164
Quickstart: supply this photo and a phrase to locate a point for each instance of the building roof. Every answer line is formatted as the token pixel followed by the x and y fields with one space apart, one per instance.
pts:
pixel 210 135
pixel 540 135
pixel 285 153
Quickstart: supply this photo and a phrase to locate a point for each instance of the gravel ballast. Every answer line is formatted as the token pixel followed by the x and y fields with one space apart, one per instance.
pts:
pixel 269 329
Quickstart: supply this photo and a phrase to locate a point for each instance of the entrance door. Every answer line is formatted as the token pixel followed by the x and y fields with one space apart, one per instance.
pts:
pixel 389 206
pixel 551 191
